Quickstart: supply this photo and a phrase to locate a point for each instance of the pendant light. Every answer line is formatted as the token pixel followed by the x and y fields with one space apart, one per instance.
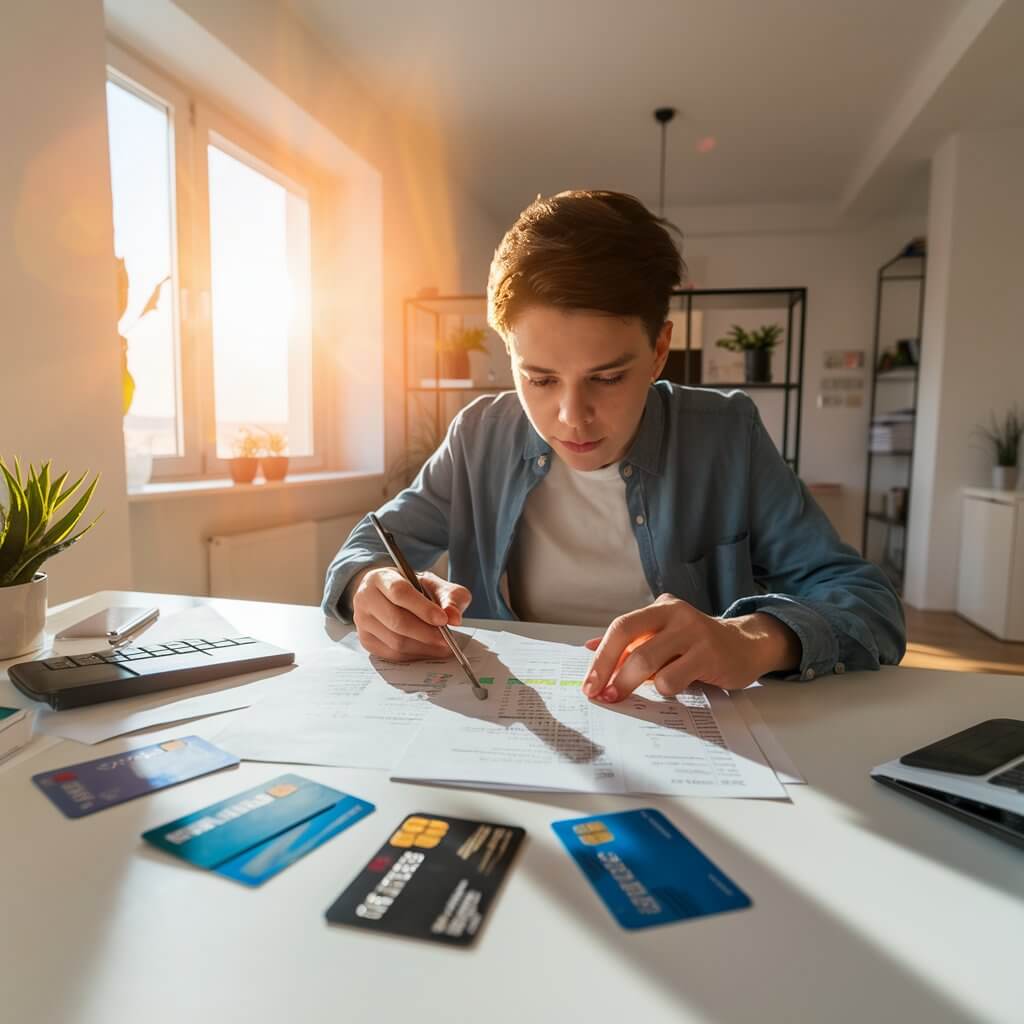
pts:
pixel 663 115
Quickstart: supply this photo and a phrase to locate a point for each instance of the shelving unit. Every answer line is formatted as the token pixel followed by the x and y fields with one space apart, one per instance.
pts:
pixel 899 314
pixel 702 315
pixel 697 313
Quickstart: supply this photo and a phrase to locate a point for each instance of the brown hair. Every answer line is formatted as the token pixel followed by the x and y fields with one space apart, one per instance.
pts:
pixel 600 251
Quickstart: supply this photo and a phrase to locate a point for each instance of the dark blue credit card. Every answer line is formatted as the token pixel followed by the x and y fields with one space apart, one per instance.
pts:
pixel 645 870
pixel 255 834
pixel 81 789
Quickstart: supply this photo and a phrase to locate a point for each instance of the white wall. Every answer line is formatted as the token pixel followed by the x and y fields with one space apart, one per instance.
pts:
pixel 765 247
pixel 59 351
pixel 433 234
pixel 974 309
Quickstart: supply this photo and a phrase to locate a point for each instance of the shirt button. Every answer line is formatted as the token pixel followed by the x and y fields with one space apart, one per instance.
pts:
pixel 627 471
pixel 639 520
pixel 808 675
pixel 542 461
pixel 840 668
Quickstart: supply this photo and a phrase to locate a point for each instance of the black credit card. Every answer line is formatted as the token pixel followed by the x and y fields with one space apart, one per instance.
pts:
pixel 435 878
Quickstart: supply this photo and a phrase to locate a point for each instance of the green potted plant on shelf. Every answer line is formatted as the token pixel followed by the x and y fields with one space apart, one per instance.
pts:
pixel 30 533
pixel 756 346
pixel 273 459
pixel 1004 437
pixel 245 459
pixel 455 351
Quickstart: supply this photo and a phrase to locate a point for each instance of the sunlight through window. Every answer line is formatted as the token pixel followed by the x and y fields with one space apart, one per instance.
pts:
pixel 142 181
pixel 260 294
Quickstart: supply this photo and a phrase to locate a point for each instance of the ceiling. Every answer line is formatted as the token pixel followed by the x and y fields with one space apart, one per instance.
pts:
pixel 779 101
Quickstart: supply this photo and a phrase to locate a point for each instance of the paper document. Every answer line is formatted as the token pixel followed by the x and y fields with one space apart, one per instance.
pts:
pixel 338 709
pixel 538 731
pixel 98 722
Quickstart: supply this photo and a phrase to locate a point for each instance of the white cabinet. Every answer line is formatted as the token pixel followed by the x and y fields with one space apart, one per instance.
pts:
pixel 990 592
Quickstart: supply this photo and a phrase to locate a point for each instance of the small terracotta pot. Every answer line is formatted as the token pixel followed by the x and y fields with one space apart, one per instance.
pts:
pixel 275 467
pixel 243 471
pixel 455 365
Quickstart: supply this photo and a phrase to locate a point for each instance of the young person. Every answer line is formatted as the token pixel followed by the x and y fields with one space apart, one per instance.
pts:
pixel 596 494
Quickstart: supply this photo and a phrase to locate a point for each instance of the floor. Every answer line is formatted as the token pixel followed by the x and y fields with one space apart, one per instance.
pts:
pixel 944 640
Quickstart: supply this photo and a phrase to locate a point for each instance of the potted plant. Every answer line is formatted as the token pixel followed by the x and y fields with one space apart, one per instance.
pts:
pixel 245 459
pixel 756 346
pixel 29 535
pixel 273 459
pixel 456 348
pixel 1004 438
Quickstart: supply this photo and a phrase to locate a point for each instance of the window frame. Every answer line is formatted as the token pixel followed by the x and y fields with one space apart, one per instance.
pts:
pixel 131 74
pixel 194 124
pixel 212 127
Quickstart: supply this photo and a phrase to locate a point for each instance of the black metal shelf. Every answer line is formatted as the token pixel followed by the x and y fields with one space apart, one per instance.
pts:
pixel 790 301
pixel 880 517
pixel 901 269
pixel 793 301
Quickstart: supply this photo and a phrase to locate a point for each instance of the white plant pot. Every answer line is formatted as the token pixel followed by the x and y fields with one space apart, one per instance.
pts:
pixel 22 617
pixel 1004 478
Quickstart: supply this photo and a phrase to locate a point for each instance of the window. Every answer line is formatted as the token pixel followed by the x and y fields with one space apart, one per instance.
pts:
pixel 142 179
pixel 214 228
pixel 260 289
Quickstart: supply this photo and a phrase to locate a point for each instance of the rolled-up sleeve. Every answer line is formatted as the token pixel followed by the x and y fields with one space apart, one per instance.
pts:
pixel 843 609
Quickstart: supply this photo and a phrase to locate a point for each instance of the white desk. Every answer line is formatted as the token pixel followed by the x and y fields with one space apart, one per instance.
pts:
pixel 867 905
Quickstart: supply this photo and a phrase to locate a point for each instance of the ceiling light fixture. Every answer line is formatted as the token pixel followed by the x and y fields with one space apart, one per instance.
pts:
pixel 663 115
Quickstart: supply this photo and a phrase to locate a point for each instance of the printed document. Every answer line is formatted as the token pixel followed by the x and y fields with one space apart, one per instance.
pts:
pixel 536 730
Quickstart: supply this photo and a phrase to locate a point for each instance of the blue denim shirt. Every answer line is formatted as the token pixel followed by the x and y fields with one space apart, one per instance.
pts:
pixel 720 521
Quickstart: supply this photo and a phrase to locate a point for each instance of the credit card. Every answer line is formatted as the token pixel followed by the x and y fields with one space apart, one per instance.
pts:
pixel 645 870
pixel 242 824
pixel 91 786
pixel 435 878
pixel 264 861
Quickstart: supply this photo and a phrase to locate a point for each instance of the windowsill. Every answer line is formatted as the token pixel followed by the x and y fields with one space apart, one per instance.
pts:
pixel 171 489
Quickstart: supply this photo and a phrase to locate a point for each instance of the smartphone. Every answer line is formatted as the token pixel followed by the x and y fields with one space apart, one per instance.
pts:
pixel 976 751
pixel 110 624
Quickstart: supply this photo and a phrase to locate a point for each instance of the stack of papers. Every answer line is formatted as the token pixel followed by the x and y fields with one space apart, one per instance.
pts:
pixel 536 731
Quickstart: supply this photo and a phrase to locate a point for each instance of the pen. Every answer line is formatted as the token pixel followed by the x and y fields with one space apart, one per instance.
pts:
pixel 120 636
pixel 388 540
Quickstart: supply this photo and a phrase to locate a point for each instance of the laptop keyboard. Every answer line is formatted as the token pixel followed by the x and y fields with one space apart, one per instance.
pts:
pixel 1013 778
pixel 119 655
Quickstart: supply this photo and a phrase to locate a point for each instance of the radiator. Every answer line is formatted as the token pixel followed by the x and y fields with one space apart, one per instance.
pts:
pixel 280 564
pixel 286 564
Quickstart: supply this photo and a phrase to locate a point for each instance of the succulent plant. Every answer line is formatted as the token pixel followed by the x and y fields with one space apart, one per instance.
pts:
pixel 30 531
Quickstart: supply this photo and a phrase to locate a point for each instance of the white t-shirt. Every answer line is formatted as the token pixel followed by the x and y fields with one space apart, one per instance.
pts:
pixel 575 559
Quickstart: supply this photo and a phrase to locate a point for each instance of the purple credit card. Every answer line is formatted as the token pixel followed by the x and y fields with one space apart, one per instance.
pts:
pixel 91 786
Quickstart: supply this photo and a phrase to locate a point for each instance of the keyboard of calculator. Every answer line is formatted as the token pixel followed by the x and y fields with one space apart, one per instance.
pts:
pixel 76 679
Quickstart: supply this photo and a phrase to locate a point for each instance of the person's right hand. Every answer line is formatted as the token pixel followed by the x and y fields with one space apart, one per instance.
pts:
pixel 398 623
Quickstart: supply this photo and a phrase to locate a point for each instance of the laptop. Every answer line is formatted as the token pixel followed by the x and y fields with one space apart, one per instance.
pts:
pixel 977 775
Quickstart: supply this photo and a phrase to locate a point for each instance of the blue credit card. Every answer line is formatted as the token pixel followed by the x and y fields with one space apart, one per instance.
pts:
pixel 264 861
pixel 227 830
pixel 81 789
pixel 645 870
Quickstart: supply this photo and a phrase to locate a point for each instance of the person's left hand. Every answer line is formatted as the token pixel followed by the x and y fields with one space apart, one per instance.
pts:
pixel 672 644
